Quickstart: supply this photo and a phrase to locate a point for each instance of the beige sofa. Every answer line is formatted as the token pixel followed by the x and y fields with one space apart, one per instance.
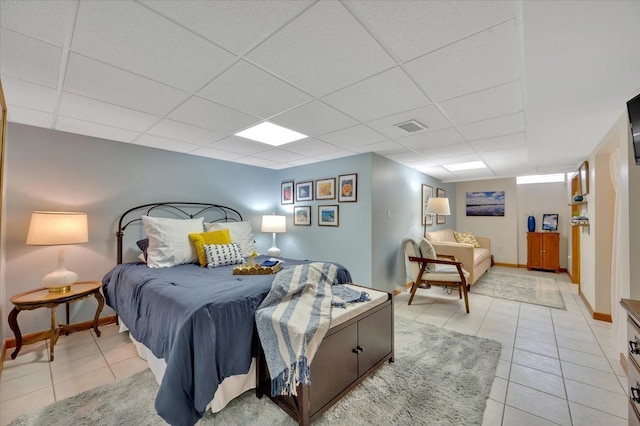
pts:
pixel 476 261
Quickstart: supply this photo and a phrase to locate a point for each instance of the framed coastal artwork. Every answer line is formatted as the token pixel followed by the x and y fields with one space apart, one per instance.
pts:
pixel 328 215
pixel 485 203
pixel 348 188
pixel 427 192
pixel 304 191
pixel 302 215
pixel 326 189
pixel 286 192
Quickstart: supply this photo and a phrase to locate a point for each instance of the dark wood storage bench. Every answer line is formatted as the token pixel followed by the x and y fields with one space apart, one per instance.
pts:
pixel 349 353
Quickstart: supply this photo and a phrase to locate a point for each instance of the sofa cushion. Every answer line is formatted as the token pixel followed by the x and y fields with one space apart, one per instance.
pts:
pixel 466 238
pixel 441 236
pixel 428 252
pixel 480 255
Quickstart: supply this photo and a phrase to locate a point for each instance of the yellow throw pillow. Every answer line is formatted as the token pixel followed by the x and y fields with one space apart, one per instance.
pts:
pixel 467 238
pixel 213 237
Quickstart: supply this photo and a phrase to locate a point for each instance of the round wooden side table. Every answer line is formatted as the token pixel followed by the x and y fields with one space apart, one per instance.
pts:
pixel 42 298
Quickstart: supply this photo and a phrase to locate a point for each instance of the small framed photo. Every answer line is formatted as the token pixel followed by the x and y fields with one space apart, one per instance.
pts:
pixel 302 215
pixel 441 193
pixel 326 189
pixel 304 191
pixel 427 192
pixel 348 188
pixel 286 192
pixel 328 215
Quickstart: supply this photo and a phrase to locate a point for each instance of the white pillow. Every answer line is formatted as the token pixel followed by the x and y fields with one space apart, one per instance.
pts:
pixel 223 254
pixel 240 232
pixel 169 243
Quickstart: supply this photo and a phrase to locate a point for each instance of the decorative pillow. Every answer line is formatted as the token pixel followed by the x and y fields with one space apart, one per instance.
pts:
pixel 144 246
pixel 240 233
pixel 428 252
pixel 169 243
pixel 223 254
pixel 213 237
pixel 467 238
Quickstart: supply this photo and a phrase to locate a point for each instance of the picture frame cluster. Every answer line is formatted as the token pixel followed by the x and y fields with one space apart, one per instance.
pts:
pixel 344 189
pixel 427 219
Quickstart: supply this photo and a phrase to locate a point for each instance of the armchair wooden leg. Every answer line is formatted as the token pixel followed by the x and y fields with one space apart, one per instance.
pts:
pixel 459 291
pixel 414 287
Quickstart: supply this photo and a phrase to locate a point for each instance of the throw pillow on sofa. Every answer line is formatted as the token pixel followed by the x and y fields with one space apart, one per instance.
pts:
pixel 467 238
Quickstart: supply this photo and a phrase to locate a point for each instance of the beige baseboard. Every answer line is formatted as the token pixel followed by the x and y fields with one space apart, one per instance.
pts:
pixel 10 342
pixel 595 315
pixel 507 265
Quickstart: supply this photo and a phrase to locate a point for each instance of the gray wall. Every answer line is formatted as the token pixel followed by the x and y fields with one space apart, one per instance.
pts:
pixel 396 212
pixel 51 170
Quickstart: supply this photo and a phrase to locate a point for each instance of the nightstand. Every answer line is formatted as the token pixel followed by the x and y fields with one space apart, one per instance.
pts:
pixel 42 298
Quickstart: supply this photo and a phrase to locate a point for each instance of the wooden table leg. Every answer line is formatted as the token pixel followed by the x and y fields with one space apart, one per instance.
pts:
pixel 100 300
pixel 13 324
pixel 55 331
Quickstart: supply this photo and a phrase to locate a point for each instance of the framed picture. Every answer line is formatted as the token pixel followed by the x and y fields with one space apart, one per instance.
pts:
pixel 583 170
pixel 286 192
pixel 440 219
pixel 326 189
pixel 328 215
pixel 427 192
pixel 485 203
pixel 550 222
pixel 304 191
pixel 302 215
pixel 348 188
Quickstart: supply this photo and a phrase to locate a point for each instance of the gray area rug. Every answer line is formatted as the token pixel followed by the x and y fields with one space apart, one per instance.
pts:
pixel 439 377
pixel 521 288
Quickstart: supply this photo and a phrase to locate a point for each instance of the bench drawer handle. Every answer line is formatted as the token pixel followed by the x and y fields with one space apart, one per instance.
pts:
pixel 633 347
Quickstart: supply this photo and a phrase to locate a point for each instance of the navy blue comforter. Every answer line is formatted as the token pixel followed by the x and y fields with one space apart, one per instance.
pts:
pixel 200 320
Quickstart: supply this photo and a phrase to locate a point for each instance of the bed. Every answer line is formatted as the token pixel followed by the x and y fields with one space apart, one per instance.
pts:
pixel 194 325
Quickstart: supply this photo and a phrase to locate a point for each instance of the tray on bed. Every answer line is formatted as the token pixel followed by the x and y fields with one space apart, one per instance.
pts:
pixel 256 269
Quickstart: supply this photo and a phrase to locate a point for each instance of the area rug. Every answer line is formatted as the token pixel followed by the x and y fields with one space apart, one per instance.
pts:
pixel 521 288
pixel 439 377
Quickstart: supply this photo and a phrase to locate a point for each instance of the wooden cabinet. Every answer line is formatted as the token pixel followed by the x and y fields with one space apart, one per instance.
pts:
pixel 349 353
pixel 633 358
pixel 543 251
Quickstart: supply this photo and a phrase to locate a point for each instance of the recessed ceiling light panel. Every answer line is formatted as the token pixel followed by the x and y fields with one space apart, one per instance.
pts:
pixel 271 134
pixel 465 166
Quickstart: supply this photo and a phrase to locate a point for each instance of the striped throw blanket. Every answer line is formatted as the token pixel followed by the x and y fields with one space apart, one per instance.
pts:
pixel 292 321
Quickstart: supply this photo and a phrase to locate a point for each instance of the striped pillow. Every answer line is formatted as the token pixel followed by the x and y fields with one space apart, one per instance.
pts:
pixel 223 254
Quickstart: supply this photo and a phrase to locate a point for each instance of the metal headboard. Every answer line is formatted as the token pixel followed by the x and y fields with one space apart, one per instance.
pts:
pixel 180 209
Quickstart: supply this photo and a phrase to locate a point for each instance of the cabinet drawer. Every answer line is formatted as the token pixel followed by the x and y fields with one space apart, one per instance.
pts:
pixel 633 341
pixel 634 391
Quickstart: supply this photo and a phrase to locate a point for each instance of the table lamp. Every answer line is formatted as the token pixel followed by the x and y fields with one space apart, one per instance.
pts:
pixel 58 229
pixel 275 224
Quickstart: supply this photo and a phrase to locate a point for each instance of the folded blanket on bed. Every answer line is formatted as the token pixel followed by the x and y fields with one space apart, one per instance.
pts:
pixel 292 321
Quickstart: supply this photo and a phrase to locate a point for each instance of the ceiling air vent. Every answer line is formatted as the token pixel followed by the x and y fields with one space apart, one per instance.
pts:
pixel 411 126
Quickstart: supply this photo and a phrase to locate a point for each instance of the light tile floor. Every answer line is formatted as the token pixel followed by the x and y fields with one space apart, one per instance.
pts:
pixel 556 367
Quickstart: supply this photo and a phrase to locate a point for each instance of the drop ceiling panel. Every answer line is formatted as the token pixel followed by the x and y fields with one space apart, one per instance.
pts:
pixel 29 59
pixel 381 148
pixel 484 60
pixel 256 161
pixel 88 109
pixel 29 95
pixel 44 20
pixel 447 151
pixel 216 153
pixel 432 139
pixel 507 124
pixel 129 36
pixel 519 152
pixel 501 142
pixel 166 144
pixel 240 145
pixel 73 125
pixel 280 155
pixel 413 28
pixel 474 174
pixel 312 54
pixel 96 80
pixel 353 137
pixel 336 154
pixel 202 113
pixel 234 25
pixel 406 157
pixel 310 147
pixel 184 132
pixel 248 88
pixel 16 114
pixel 428 116
pixel 313 119
pixel 378 96
pixel 490 103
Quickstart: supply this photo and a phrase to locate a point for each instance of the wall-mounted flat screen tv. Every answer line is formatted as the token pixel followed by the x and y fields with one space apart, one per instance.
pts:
pixel 633 107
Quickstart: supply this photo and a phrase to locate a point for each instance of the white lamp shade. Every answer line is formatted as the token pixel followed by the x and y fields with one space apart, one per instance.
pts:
pixel 438 205
pixel 274 223
pixel 57 228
